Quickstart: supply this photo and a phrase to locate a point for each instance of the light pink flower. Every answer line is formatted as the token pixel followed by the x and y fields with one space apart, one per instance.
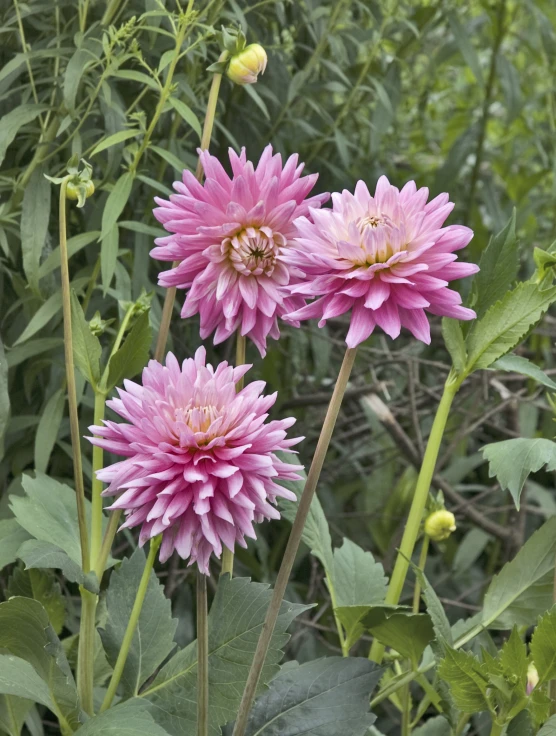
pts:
pixel 200 464
pixel 229 235
pixel 387 258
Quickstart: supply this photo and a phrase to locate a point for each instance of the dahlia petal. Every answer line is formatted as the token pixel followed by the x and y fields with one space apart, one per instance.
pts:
pixel 361 326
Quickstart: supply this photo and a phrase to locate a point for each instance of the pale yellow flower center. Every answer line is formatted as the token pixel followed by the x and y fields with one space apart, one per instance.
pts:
pixel 253 250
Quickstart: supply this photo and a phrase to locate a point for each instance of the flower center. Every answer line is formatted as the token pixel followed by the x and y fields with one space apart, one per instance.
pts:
pixel 253 250
pixel 370 221
pixel 377 231
pixel 199 418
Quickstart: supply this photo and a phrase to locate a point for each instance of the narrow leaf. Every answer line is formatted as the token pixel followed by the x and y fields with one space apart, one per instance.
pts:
pixel 109 255
pixel 13 121
pixel 4 399
pixel 455 343
pixel 47 431
pixel 117 200
pixel 187 114
pixel 517 364
pixel 114 139
pixel 132 357
pixel 35 215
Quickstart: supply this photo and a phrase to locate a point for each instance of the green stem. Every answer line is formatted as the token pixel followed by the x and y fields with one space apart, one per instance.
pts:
pixel 132 625
pixel 422 563
pixel 86 650
pixel 293 542
pixel 170 296
pixel 406 712
pixel 70 378
pixel 107 540
pixel 27 62
pixel 339 627
pixel 462 723
pixel 91 286
pixel 202 656
pixel 496 729
pixel 415 517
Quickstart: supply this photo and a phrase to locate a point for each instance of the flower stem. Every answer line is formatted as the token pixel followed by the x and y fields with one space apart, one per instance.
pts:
pixel 107 540
pixel 70 378
pixel 422 563
pixel 202 656
pixel 413 524
pixel 205 143
pixel 293 542
pixel 132 625
pixel 496 729
pixel 341 636
pixel 86 649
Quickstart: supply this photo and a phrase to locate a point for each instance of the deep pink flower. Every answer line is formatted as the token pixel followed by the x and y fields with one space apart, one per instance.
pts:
pixel 229 235
pixel 200 463
pixel 387 258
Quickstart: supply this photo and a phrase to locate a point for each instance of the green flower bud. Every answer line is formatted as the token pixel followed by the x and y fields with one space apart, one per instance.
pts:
pixel 245 67
pixel 440 524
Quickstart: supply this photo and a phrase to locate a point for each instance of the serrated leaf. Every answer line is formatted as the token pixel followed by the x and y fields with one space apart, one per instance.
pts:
pixel 511 461
pixel 517 364
pixel 13 121
pixel 543 646
pixel 513 659
pixel 86 346
pixel 235 622
pixel 316 533
pixel 47 431
pixel 154 636
pixel 113 140
pixel 523 588
pixel 131 718
pixel 132 357
pixel 18 677
pixel 506 323
pixel 42 586
pixel 439 620
pixel 326 697
pixel 499 266
pixel 455 343
pixel 117 200
pixel 185 112
pixel 38 554
pixel 467 679
pixel 407 633
pixel 35 215
pixel 12 537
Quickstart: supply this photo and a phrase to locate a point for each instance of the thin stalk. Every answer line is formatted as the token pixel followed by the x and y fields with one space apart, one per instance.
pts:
pixel 293 542
pixel 107 540
pixel 462 723
pixel 406 712
pixel 202 656
pixel 339 627
pixel 422 563
pixel 91 286
pixel 132 625
pixel 208 125
pixel 86 650
pixel 496 729
pixel 70 378
pixel 27 62
pixel 413 524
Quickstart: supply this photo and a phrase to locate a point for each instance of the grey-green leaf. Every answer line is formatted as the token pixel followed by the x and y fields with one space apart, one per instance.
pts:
pixel 36 553
pixel 131 718
pixel 109 255
pixel 437 726
pixel 132 357
pixel 517 364
pixel 47 431
pixel 467 679
pixel 4 400
pixel 543 646
pixel 35 214
pixel 12 536
pixel 409 634
pixel 19 678
pixel 117 200
pixel 326 697
pixel 13 121
pixel 86 346
pixel 455 343
pixel 549 728
pixel 187 114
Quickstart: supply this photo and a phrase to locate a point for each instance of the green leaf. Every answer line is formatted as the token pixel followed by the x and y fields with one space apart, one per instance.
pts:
pixel 17 677
pixel 465 46
pixel 187 114
pixel 136 76
pixel 506 323
pixel 13 713
pixel 13 121
pixel 517 364
pixel 38 554
pixel 114 139
pixel 513 659
pixel 154 636
pixel 86 346
pixel 26 632
pixel 31 349
pixel 455 344
pixel 437 726
pixel 467 679
pixel 109 255
pixel 511 461
pixel 117 200
pixel 521 725
pixel 543 647
pixel 169 157
pixel 407 633
pixel 47 431
pixel 131 718
pixel 440 623
pixel 42 586
pixel 72 77
pixel 12 537
pixel 523 588
pixel 316 533
pixel 132 357
pixel 326 697
pixel 549 728
pixel 4 400
pixel 41 317
pixel 35 215
pixel 74 245
pixel 499 266
pixel 235 622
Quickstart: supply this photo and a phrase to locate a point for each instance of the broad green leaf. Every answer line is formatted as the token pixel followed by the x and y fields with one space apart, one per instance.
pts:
pixel 549 728
pixel 523 588
pixel 13 121
pixel 117 200
pixel 86 346
pixel 539 706
pixel 42 586
pixel 235 622
pixel 511 461
pixel 316 534
pixel 154 636
pixel 31 349
pixel 131 718
pixel 327 697
pixel 506 323
pixel 4 401
pixel 521 725
pixel 517 364
pixel 37 554
pixel 12 537
pixel 513 659
pixel 407 633
pixel 355 619
pixel 187 114
pixel 455 343
pixel 437 726
pixel 47 431
pixel 109 255
pixel 114 139
pixel 499 265
pixel 13 713
pixel 35 215
pixel 41 317
pixel 26 632
pixel 543 646
pixel 17 677
pixel 74 245
pixel 132 357
pixel 467 679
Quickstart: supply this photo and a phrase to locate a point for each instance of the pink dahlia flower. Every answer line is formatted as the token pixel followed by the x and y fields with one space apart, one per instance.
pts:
pixel 387 258
pixel 200 464
pixel 229 236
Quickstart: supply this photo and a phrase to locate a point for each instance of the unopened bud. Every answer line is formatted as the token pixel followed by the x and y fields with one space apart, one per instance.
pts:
pixel 532 678
pixel 245 67
pixel 440 524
